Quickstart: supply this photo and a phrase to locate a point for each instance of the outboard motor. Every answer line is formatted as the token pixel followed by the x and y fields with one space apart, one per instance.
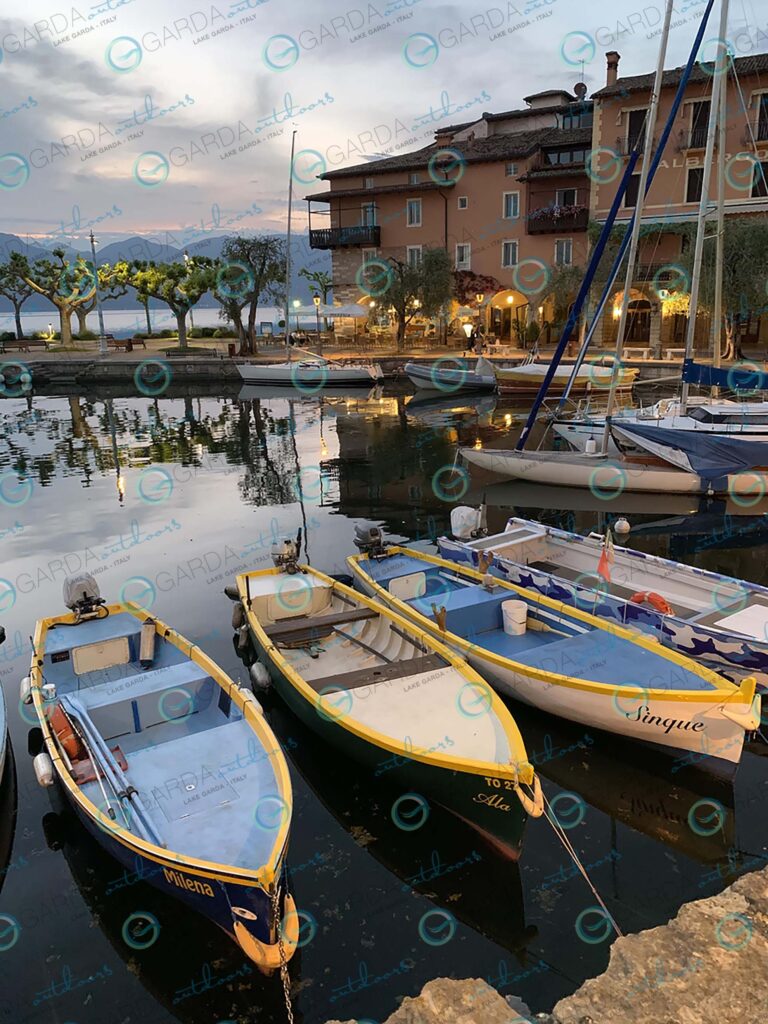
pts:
pixel 370 541
pixel 468 523
pixel 82 596
pixel 285 556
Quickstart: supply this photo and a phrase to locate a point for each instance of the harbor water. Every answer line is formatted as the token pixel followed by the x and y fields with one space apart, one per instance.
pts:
pixel 163 497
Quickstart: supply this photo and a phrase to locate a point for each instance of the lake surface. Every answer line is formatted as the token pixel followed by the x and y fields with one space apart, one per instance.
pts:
pixel 171 496
pixel 124 323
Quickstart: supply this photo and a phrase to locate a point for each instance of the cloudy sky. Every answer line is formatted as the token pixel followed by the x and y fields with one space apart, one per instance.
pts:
pixel 170 116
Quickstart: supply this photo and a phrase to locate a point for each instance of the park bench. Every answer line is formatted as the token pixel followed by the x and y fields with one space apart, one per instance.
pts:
pixel 673 354
pixel 637 352
pixel 27 344
pixel 175 353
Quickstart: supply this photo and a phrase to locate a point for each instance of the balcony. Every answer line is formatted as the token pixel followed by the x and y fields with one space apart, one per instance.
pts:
pixel 624 146
pixel 338 238
pixel 554 220
pixel 695 138
pixel 759 130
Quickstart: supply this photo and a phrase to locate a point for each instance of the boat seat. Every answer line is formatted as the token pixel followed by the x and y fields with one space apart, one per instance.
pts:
pixel 306 629
pixel 379 674
pixel 470 611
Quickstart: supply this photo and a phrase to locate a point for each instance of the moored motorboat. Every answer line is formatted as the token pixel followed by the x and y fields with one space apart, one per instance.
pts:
pixel 713 618
pixel 311 375
pixel 528 377
pixel 168 764
pixel 563 660
pixel 450 376
pixel 385 692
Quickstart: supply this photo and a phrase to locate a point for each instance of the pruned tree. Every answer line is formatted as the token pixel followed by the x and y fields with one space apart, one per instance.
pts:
pixel 17 291
pixel 179 285
pixel 422 288
pixel 250 270
pixel 66 285
pixel 113 283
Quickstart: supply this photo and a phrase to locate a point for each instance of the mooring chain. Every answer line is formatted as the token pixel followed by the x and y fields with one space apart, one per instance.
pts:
pixel 284 975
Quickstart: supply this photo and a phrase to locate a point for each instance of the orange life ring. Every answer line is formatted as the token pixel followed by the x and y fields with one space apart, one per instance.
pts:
pixel 655 600
pixel 68 739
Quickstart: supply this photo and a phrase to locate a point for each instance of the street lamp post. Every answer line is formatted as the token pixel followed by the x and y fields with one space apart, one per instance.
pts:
pixel 187 261
pixel 296 305
pixel 102 334
pixel 511 301
pixel 316 300
pixel 480 318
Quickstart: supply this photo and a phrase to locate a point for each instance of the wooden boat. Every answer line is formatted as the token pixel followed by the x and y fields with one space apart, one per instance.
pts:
pixel 566 661
pixel 713 618
pixel 386 692
pixel 529 377
pixel 451 376
pixel 168 764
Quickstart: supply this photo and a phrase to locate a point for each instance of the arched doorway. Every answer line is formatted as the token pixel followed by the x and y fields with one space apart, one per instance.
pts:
pixel 508 316
pixel 639 322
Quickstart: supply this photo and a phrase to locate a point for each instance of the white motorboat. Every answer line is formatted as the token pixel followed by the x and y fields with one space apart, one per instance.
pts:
pixel 310 376
pixel 449 376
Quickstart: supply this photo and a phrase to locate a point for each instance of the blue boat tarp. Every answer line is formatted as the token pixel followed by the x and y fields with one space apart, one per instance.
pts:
pixel 713 458
pixel 745 377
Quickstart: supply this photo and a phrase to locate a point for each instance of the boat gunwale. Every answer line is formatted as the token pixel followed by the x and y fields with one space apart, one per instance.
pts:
pixel 724 692
pixel 267 873
pixel 519 768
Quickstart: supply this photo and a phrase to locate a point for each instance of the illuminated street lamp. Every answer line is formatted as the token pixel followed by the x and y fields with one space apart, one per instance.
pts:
pixel 316 300
pixel 296 304
pixel 102 335
pixel 510 303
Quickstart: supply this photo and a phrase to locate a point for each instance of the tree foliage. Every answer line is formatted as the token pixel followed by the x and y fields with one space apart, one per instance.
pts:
pixel 423 288
pixel 179 285
pixel 251 270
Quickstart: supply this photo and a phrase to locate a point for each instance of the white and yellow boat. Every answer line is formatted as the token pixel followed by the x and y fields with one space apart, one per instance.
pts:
pixel 565 661
pixel 391 696
pixel 528 377
pixel 169 765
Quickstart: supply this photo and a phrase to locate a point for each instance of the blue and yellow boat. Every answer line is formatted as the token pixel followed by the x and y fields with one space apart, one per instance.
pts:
pixel 169 764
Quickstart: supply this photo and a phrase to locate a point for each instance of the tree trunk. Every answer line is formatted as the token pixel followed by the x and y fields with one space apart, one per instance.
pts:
pixel 729 351
pixel 82 319
pixel 181 323
pixel 146 314
pixel 76 414
pixel 400 333
pixel 252 311
pixel 65 321
pixel 237 320
pixel 17 317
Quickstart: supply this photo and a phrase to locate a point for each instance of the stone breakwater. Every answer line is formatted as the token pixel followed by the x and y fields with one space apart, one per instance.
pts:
pixel 709 965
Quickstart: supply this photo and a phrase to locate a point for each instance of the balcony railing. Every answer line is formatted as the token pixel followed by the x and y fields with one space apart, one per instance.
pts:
pixel 336 238
pixel 695 138
pixel 759 129
pixel 556 219
pixel 624 147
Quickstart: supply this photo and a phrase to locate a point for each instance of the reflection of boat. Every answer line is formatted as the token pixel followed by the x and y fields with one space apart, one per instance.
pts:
pixel 161 755
pixel 366 680
pixel 714 618
pixel 443 409
pixel 630 787
pixel 8 806
pixel 188 965
pixel 310 376
pixel 445 860
pixel 267 392
pixel 523 494
pixel 451 376
pixel 565 661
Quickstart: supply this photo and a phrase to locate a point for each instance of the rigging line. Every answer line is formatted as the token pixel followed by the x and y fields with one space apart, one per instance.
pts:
pixel 750 128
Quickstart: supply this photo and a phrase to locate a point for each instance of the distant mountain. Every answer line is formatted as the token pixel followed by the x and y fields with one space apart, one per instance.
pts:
pixel 138 248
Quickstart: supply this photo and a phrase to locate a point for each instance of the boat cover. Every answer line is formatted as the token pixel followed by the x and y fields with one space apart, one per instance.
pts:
pixel 748 377
pixel 712 458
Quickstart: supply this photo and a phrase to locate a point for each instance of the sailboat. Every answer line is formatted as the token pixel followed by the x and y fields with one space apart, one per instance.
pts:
pixel 3 721
pixel 311 373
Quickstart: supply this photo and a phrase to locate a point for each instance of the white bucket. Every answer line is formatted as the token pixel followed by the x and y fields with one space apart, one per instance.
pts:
pixel 515 615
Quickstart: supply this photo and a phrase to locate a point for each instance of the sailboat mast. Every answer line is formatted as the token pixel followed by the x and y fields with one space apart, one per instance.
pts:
pixel 698 255
pixel 717 316
pixel 637 223
pixel 288 252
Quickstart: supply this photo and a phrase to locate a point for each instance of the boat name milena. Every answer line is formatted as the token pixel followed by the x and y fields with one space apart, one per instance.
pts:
pixel 667 724
pixel 191 884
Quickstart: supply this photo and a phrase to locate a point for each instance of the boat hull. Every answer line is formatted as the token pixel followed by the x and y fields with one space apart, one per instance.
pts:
pixel 578 432
pixel 442 380
pixel 308 376
pixel 488 804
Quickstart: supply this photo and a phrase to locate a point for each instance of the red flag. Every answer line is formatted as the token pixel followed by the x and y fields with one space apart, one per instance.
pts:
pixel 606 557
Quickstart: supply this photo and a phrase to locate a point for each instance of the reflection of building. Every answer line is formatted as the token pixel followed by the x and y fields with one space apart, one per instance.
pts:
pixel 510 195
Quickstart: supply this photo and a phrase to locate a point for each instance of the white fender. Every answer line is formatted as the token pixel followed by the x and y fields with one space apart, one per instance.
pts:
pixel 43 767
pixel 238 616
pixel 260 677
pixel 25 690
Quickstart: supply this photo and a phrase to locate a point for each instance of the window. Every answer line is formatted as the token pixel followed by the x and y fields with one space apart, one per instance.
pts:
pixel 566 156
pixel 367 182
pixel 564 252
pixel 413 213
pixel 636 129
pixel 413 178
pixel 632 193
pixel 762 118
pixel 511 205
pixel 368 215
pixel 580 117
pixel 699 124
pixel 760 182
pixel 694 185
pixel 413 255
pixel 463 202
pixel 510 170
pixel 565 197
pixel 508 254
pixel 463 256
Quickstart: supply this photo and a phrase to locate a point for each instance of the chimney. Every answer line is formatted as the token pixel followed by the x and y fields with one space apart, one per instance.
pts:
pixel 613 59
